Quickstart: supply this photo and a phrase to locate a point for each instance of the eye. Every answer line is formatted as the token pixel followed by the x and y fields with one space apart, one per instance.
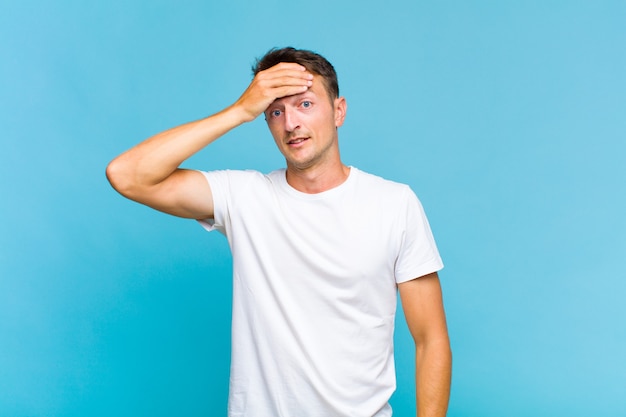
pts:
pixel 275 113
pixel 306 104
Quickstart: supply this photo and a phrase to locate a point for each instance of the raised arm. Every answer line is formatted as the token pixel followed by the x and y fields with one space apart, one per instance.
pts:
pixel 423 308
pixel 149 173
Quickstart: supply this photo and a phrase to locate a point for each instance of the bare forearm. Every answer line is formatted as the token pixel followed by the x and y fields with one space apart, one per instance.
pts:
pixel 153 160
pixel 432 378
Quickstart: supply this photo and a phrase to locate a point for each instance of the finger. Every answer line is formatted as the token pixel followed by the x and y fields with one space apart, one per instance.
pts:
pixel 280 86
pixel 287 65
pixel 286 82
pixel 285 76
pixel 285 91
pixel 282 68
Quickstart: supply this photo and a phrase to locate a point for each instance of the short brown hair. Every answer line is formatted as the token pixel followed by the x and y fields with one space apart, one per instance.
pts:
pixel 313 62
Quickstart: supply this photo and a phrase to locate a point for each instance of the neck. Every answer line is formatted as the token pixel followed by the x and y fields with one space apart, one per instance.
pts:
pixel 319 179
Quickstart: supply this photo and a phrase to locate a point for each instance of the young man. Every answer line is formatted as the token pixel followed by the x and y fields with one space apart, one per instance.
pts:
pixel 319 251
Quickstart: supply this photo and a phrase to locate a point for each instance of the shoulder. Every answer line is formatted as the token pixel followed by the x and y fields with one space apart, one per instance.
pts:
pixel 381 186
pixel 237 184
pixel 387 195
pixel 234 178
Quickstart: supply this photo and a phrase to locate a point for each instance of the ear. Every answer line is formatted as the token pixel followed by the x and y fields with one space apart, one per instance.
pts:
pixel 341 107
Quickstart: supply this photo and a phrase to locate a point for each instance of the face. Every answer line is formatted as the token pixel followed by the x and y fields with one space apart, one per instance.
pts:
pixel 304 126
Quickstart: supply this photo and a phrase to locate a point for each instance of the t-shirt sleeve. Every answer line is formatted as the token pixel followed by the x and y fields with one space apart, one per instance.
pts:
pixel 219 183
pixel 418 253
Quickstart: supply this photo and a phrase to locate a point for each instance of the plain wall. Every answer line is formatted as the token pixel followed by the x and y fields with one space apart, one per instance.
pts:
pixel 508 119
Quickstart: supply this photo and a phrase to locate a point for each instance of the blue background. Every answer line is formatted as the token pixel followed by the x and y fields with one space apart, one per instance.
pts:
pixel 507 118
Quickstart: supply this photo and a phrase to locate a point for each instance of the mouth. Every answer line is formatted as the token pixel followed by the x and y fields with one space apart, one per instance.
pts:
pixel 296 141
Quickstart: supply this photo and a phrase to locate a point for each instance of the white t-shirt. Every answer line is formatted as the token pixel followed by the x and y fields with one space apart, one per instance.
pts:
pixel 314 290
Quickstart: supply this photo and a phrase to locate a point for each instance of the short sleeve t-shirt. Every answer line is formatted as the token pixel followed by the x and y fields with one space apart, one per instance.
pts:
pixel 314 290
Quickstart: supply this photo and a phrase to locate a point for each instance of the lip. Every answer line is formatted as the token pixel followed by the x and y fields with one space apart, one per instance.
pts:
pixel 297 141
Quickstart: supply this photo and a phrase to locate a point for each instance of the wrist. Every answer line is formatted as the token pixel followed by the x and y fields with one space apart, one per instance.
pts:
pixel 239 114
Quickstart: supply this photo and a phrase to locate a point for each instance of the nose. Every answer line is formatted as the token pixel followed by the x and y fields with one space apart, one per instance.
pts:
pixel 292 122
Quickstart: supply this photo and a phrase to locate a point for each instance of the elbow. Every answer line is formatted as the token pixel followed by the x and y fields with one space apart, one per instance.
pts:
pixel 119 178
pixel 437 345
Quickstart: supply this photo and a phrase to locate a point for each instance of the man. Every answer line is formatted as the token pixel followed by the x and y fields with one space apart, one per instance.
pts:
pixel 319 251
